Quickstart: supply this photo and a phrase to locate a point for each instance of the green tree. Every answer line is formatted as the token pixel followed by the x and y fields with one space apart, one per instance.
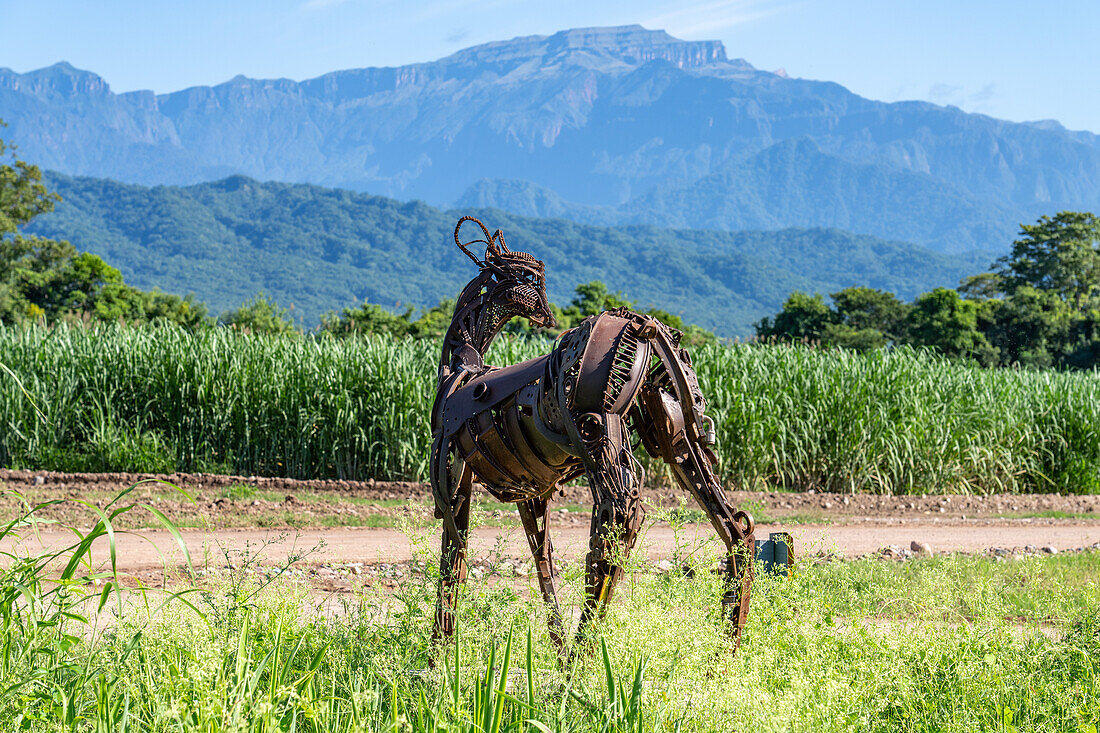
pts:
pixel 591 299
pixel 866 308
pixel 1039 305
pixel 1030 327
pixel 865 319
pixel 50 279
pixel 803 316
pixel 856 339
pixel 185 311
pixel 259 314
pixel 1059 254
pixel 983 286
pixel 22 198
pixel 367 318
pixel 372 318
pixel 85 283
pixel 942 320
pixel 434 322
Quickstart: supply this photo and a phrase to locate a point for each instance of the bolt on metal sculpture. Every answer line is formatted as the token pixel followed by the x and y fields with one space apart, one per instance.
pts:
pixel 524 430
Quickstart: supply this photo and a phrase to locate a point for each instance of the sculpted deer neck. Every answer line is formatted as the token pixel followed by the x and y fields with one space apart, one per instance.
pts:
pixel 508 284
pixel 474 325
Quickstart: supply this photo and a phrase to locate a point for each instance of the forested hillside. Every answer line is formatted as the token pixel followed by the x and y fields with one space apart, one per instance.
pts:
pixel 320 249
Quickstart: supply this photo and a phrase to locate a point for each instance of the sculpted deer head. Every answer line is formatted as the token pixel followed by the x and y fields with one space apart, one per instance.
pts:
pixel 514 282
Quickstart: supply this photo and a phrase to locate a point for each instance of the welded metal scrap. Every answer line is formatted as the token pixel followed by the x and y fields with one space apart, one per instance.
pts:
pixel 524 430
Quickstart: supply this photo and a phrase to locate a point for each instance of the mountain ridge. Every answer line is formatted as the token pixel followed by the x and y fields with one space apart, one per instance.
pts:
pixel 606 117
pixel 836 199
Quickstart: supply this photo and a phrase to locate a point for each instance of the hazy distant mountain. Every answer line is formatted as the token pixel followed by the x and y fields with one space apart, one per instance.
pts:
pixel 320 249
pixel 793 180
pixel 628 119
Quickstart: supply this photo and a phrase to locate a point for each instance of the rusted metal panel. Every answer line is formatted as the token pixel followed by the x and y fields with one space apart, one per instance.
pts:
pixel 489 390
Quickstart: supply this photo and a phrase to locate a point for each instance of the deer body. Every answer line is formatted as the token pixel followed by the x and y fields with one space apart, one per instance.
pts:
pixel 525 429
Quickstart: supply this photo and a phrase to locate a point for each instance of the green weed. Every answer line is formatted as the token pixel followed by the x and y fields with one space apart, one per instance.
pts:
pixel 239 492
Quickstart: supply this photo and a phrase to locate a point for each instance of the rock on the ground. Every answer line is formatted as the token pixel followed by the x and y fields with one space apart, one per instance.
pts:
pixel 921 548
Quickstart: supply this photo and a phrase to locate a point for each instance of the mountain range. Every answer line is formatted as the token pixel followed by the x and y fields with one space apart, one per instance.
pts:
pixel 319 249
pixel 610 126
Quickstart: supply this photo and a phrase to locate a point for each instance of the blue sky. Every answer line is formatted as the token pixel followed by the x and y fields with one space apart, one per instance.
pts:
pixel 1015 59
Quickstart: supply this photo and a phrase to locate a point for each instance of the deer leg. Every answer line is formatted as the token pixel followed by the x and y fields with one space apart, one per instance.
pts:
pixel 452 485
pixel 531 513
pixel 691 463
pixel 735 529
pixel 617 512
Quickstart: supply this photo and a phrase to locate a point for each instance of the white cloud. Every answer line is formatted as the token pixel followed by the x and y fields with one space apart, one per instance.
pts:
pixel 984 94
pixel 959 96
pixel 945 93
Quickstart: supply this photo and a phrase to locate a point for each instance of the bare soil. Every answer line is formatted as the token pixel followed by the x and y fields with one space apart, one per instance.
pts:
pixel 150 548
pixel 337 559
pixel 338 533
pixel 234 501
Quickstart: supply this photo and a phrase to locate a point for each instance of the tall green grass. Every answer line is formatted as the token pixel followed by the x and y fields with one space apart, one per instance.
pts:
pixel 162 399
pixel 899 422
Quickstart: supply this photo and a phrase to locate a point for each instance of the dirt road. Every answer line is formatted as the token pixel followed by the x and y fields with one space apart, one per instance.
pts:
pixel 354 522
pixel 150 549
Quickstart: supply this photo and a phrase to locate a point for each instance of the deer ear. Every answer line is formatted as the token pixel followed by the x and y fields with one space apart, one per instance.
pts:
pixel 463 247
pixel 495 245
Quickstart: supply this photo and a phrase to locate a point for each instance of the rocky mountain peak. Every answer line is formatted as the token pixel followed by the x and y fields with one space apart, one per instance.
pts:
pixel 62 80
pixel 632 45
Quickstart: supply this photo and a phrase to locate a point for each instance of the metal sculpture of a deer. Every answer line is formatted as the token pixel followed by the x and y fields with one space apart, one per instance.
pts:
pixel 526 429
